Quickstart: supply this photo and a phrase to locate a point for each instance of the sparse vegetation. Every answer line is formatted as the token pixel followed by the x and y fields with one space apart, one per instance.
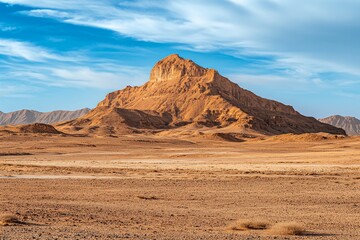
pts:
pixel 282 228
pixel 291 228
pixel 242 225
pixel 148 197
pixel 9 219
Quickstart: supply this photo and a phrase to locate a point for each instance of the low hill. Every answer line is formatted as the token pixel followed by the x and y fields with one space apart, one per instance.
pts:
pixel 29 128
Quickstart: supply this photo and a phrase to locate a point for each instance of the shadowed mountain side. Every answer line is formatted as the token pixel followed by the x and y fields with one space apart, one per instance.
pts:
pixel 108 121
pixel 181 93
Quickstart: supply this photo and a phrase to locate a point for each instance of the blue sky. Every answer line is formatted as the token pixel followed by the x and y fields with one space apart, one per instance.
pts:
pixel 68 54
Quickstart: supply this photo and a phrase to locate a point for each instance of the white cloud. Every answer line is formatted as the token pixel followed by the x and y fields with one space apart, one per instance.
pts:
pixel 86 77
pixel 265 79
pixel 26 51
pixel 67 75
pixel 60 4
pixel 48 13
pixel 16 90
pixel 303 37
pixel 7 29
pixel 320 33
pixel 30 64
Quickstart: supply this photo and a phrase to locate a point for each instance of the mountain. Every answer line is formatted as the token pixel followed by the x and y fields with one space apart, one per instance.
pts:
pixel 350 124
pixel 183 95
pixel 30 116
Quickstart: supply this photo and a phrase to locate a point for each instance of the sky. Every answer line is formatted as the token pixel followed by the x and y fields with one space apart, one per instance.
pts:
pixel 68 55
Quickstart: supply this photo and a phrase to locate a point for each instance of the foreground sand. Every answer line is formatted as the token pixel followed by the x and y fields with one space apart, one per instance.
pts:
pixel 155 188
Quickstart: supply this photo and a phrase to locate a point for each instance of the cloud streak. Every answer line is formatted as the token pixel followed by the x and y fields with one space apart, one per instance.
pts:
pixel 65 75
pixel 29 65
pixel 314 35
pixel 27 51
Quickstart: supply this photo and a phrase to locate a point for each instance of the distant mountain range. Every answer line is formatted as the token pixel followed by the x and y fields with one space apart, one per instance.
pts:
pixel 30 116
pixel 350 124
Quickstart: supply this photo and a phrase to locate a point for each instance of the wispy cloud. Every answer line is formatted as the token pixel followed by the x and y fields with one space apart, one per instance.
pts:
pixel 9 90
pixel 27 51
pixel 29 65
pixel 7 29
pixel 298 33
pixel 99 75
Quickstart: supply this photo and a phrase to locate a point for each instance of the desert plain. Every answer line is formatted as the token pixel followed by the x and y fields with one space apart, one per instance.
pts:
pixel 156 187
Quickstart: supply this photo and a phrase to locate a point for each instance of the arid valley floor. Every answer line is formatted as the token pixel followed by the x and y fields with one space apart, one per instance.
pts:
pixel 141 187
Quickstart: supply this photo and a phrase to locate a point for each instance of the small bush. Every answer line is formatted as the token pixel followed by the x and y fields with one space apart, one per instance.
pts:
pixel 243 225
pixel 8 219
pixel 148 197
pixel 290 228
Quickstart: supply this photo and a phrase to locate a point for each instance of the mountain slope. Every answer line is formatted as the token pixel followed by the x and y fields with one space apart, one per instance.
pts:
pixel 30 116
pixel 181 94
pixel 350 124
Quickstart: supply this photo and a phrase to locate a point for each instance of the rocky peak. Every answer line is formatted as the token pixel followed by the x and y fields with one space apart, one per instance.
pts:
pixel 174 68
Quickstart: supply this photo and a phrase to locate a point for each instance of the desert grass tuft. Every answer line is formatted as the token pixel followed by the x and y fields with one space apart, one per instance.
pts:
pixel 148 197
pixel 8 219
pixel 243 225
pixel 290 228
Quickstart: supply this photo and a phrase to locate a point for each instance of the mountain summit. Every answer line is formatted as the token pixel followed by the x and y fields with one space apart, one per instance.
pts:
pixel 182 94
pixel 174 68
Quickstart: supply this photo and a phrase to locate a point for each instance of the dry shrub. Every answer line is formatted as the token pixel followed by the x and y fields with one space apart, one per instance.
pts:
pixel 242 225
pixel 8 219
pixel 290 228
pixel 148 197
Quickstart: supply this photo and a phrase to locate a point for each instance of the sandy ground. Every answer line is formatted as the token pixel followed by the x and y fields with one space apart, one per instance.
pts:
pixel 139 187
